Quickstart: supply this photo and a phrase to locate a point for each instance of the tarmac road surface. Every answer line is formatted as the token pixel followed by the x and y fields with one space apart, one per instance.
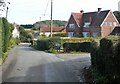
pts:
pixel 25 64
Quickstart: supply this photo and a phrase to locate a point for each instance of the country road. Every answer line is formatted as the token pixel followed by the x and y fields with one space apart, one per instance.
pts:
pixel 25 64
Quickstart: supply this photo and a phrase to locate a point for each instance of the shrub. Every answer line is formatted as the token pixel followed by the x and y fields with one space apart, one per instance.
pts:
pixel 43 44
pixel 105 59
pixel 60 34
pixel 83 47
pixel 77 40
pixel 43 36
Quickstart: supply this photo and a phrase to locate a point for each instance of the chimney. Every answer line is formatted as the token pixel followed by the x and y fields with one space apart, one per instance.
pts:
pixel 99 9
pixel 82 11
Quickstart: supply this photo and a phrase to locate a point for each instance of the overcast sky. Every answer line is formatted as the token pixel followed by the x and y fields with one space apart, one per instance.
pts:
pixel 30 11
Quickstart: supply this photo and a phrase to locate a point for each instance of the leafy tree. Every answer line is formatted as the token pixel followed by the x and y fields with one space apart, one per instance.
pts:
pixel 25 36
pixel 117 14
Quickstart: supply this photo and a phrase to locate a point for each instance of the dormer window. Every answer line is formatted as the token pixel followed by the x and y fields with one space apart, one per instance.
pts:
pixel 71 26
pixel 86 24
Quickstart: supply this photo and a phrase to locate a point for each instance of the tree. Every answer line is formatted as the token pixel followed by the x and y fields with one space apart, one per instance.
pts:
pixel 117 14
pixel 25 36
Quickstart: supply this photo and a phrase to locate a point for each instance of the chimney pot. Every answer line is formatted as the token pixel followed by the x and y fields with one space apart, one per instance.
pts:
pixel 82 11
pixel 99 9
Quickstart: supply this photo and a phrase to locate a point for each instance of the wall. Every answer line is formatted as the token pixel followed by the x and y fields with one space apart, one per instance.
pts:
pixel 106 30
pixel 76 30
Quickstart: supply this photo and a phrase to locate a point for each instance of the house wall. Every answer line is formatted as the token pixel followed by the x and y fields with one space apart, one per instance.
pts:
pixel 107 29
pixel 93 30
pixel 76 30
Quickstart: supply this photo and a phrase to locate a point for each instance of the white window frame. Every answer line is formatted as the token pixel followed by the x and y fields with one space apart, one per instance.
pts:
pixel 86 34
pixel 72 26
pixel 86 24
pixel 70 34
pixel 108 24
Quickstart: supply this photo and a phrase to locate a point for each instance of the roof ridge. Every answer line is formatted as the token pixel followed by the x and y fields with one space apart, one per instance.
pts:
pixel 96 11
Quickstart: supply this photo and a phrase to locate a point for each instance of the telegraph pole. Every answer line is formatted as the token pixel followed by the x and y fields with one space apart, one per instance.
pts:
pixel 7 12
pixel 51 25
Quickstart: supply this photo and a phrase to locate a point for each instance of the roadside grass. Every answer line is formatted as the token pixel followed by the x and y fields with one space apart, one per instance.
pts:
pixel 72 53
pixel 1 61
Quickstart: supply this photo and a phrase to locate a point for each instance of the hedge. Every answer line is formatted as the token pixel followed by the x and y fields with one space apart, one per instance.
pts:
pixel 83 47
pixel 6 36
pixel 60 34
pixel 105 59
pixel 76 40
pixel 48 43
pixel 69 44
pixel 0 37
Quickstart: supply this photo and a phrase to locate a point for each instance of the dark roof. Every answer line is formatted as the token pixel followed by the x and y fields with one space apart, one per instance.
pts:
pixel 96 18
pixel 115 31
pixel 55 29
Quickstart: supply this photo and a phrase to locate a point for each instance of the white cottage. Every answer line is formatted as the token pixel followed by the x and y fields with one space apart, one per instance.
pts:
pixel 15 32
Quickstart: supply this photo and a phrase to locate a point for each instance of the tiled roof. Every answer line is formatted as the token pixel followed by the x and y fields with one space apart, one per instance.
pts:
pixel 116 30
pixel 96 18
pixel 55 29
pixel 77 17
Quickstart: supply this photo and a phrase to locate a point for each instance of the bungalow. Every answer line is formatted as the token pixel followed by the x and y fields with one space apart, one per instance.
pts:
pixel 46 30
pixel 91 24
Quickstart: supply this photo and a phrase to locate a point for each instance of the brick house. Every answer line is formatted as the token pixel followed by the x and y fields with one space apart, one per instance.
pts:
pixel 46 30
pixel 91 24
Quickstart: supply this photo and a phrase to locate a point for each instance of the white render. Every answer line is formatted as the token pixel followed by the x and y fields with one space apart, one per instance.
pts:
pixel 15 32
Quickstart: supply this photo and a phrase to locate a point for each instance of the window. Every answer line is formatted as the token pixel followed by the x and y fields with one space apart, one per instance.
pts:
pixel 86 34
pixel 72 26
pixel 70 34
pixel 86 24
pixel 108 24
pixel 95 34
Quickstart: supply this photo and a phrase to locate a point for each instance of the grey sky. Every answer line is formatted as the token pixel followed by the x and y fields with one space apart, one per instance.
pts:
pixel 30 11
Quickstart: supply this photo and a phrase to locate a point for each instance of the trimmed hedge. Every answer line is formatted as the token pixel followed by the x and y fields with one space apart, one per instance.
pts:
pixel 83 47
pixel 48 43
pixel 42 45
pixel 105 59
pixel 60 34
pixel 76 40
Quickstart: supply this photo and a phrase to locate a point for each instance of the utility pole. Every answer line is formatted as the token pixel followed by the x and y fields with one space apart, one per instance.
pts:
pixel 7 12
pixel 39 26
pixel 51 25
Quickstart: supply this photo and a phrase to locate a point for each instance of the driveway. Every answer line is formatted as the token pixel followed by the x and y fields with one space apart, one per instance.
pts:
pixel 25 64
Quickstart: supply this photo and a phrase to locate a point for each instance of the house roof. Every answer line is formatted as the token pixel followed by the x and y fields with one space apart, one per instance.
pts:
pixel 55 29
pixel 96 18
pixel 116 30
pixel 77 17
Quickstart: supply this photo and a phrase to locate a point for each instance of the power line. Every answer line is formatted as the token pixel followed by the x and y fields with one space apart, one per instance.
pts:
pixel 46 8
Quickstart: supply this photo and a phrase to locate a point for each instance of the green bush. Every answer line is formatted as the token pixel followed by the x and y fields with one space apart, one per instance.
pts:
pixel 105 59
pixel 60 34
pixel 75 40
pixel 83 47
pixel 43 44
